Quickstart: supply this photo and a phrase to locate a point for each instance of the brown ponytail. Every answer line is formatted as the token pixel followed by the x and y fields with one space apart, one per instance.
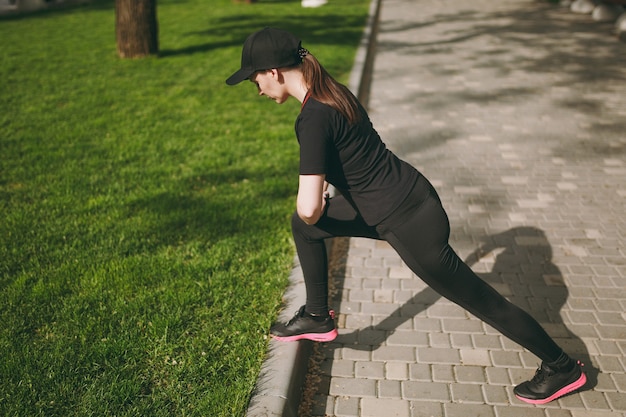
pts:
pixel 325 89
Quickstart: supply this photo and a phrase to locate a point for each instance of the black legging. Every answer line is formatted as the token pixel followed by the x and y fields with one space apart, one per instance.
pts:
pixel 418 230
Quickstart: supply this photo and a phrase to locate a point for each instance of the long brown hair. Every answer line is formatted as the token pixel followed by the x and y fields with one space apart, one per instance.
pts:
pixel 325 89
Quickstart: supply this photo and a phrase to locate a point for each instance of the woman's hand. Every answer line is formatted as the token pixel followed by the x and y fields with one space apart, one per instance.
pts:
pixel 312 197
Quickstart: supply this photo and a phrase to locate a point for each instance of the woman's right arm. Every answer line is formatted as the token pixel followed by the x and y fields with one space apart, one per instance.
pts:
pixel 311 200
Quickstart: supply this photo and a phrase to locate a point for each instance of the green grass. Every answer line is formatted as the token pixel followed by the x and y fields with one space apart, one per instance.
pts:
pixel 144 234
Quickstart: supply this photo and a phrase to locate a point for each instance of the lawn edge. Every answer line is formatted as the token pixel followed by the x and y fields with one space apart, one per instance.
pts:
pixel 278 389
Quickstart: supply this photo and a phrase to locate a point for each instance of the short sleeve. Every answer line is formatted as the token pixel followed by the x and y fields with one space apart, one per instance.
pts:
pixel 314 135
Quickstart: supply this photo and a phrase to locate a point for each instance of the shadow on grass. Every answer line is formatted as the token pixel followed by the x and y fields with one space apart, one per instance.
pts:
pixel 243 206
pixel 330 28
pixel 52 9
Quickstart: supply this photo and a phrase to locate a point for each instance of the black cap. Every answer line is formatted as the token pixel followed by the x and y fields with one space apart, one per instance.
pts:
pixel 266 49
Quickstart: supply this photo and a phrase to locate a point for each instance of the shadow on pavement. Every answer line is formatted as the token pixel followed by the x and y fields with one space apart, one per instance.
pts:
pixel 523 271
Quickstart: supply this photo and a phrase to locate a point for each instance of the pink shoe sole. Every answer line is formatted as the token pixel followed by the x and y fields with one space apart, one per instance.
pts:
pixel 565 390
pixel 316 337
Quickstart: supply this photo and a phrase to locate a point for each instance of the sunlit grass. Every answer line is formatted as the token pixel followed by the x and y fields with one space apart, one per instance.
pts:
pixel 144 237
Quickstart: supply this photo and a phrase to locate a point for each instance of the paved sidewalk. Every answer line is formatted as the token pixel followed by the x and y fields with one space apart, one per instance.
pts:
pixel 516 111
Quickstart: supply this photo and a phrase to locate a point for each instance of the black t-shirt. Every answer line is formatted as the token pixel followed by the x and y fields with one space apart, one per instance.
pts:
pixel 354 159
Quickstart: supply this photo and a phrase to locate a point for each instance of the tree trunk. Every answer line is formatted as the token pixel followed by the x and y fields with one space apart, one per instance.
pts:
pixel 136 28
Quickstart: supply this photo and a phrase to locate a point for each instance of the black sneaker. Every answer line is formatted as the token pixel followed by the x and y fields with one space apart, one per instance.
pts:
pixel 305 326
pixel 549 384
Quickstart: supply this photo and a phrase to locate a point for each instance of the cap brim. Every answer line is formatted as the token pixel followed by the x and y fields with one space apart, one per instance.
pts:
pixel 239 76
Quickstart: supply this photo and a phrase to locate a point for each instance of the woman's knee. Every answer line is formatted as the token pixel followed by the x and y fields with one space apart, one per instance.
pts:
pixel 296 222
pixel 301 230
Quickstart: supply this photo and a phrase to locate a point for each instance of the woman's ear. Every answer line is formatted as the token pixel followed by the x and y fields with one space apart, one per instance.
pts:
pixel 277 74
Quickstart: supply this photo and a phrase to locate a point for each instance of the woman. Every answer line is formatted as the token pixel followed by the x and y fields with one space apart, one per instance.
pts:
pixel 380 197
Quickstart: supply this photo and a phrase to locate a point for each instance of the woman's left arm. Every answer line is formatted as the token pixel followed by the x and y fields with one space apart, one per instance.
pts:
pixel 311 200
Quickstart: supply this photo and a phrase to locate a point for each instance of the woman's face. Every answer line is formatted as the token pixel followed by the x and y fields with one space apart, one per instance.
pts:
pixel 269 85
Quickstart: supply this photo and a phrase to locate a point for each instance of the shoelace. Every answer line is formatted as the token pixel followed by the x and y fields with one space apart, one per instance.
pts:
pixel 298 314
pixel 543 372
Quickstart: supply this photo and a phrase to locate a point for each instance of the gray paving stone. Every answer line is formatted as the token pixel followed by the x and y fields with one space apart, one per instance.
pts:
pixel 420 372
pixel 465 410
pixel 423 409
pixel 439 340
pixel 571 401
pixel 337 367
pixel 475 357
pixel 425 391
pixel 349 307
pixel 373 282
pixel 608 347
pixel 486 341
pixel 616 400
pixel 350 282
pixel 357 321
pixel 376 407
pixel 460 341
pixel 557 412
pixel 596 401
pixel 383 296
pixel 388 284
pixel 462 326
pixel 353 387
pixel 396 371
pixel 467 393
pixel 394 353
pixel 380 309
pixel 620 381
pixel 495 394
pixel 526 411
pixel 400 272
pixel 411 284
pixel 612 319
pixel 584 317
pixel 389 389
pixel 372 337
pixel 606 383
pixel 470 374
pixel 374 262
pixel 371 273
pixel 361 295
pixel 610 364
pixel 446 310
pixel 442 373
pixel 500 376
pixel 355 261
pixel 591 413
pixel 408 338
pixel 347 406
pixel 506 359
pixel 369 369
